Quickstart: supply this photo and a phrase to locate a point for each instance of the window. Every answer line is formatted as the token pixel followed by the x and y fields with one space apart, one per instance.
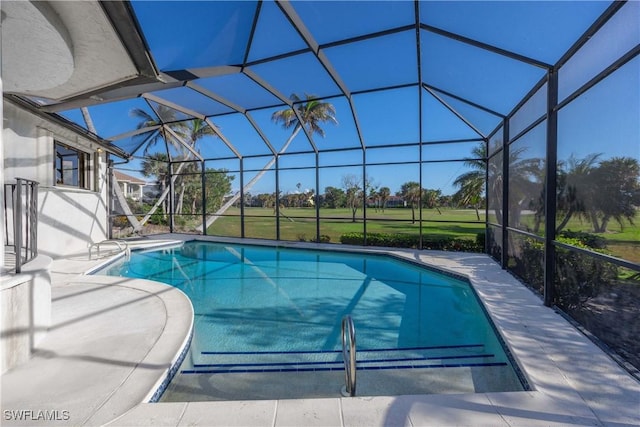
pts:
pixel 71 166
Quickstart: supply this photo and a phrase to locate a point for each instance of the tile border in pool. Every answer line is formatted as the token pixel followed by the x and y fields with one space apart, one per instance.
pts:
pixel 173 370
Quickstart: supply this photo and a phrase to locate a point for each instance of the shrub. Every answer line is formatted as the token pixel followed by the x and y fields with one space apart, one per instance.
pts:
pixel 120 221
pixel 578 277
pixel 582 239
pixel 412 241
pixel 324 238
pixel 158 217
pixel 381 239
pixel 481 239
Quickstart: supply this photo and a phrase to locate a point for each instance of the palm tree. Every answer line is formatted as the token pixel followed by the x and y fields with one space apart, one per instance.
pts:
pixel 190 132
pixel 193 132
pixel 411 192
pixel 616 188
pixel 575 190
pixel 155 136
pixel 524 174
pixel 312 112
pixel 431 199
pixel 471 190
pixel 471 183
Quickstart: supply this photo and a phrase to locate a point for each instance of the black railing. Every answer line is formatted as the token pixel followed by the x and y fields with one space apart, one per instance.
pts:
pixel 21 220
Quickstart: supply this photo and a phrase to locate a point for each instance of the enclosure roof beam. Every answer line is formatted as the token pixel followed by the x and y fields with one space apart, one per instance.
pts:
pixel 183 142
pixel 453 110
pixel 259 130
pixel 209 94
pixel 177 107
pixel 233 106
pixel 224 139
pixel 133 133
pixel 253 76
pixel 466 101
pixel 308 38
pixel 486 46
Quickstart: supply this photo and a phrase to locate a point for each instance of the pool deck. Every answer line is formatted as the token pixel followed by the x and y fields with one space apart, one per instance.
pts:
pixel 113 340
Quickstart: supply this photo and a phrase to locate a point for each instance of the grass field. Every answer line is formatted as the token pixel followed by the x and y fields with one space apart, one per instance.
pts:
pixel 299 223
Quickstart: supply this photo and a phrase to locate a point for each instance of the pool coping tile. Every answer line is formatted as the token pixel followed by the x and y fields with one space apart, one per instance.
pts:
pixel 308 412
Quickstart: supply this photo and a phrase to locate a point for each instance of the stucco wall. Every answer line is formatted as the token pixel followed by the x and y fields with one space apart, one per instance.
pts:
pixel 69 218
pixel 25 311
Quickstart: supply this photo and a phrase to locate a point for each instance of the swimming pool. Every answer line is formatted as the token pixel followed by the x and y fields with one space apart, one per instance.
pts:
pixel 267 323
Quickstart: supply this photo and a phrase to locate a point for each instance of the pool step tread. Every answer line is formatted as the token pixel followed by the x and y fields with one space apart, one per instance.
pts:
pixel 405 360
pixel 339 368
pixel 429 353
pixel 368 359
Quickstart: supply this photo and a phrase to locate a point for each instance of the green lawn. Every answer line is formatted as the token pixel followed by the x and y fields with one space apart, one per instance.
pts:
pixel 299 223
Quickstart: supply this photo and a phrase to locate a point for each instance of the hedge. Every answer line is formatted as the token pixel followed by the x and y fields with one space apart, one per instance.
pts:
pixel 413 241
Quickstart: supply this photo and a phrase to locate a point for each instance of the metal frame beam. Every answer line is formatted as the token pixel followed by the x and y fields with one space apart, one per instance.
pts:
pixel 235 107
pixel 550 188
pixel 486 46
pixel 157 99
pixel 416 10
pixel 505 193
pixel 183 143
pixel 133 133
pixel 304 32
pixel 466 101
pixel 453 110
pixel 224 139
pixel 593 29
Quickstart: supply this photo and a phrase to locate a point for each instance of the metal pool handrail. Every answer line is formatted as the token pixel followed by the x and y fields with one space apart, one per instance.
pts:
pixel 349 356
pixel 121 245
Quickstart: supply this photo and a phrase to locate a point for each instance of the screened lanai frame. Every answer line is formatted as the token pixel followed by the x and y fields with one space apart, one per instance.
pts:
pixel 528 119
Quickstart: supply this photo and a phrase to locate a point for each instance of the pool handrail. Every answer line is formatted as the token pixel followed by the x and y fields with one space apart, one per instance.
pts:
pixel 349 355
pixel 122 246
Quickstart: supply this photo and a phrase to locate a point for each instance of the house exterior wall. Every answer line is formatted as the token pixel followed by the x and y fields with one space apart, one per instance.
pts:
pixel 69 218
pixel 132 190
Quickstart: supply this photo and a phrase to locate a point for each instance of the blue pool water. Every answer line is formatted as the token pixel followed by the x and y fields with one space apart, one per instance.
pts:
pixel 268 301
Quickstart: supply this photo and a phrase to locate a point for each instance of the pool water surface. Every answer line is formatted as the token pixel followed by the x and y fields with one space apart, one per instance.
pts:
pixel 270 318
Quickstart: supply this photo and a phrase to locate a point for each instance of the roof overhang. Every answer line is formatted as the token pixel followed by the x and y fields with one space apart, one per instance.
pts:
pixel 62 51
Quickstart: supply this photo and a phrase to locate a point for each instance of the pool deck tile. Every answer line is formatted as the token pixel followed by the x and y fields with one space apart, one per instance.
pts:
pixel 421 410
pixel 231 414
pixel 308 412
pixel 113 339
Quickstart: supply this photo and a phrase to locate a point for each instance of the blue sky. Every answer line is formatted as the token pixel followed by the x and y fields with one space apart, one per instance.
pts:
pixel 195 35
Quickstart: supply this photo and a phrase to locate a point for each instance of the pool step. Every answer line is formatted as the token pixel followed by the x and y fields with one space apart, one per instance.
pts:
pixel 367 359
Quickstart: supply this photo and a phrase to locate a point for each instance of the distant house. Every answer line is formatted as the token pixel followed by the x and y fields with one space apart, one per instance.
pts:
pixel 131 186
pixel 391 202
pixel 396 202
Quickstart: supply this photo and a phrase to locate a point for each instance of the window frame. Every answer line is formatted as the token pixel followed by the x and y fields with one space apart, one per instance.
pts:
pixel 81 178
